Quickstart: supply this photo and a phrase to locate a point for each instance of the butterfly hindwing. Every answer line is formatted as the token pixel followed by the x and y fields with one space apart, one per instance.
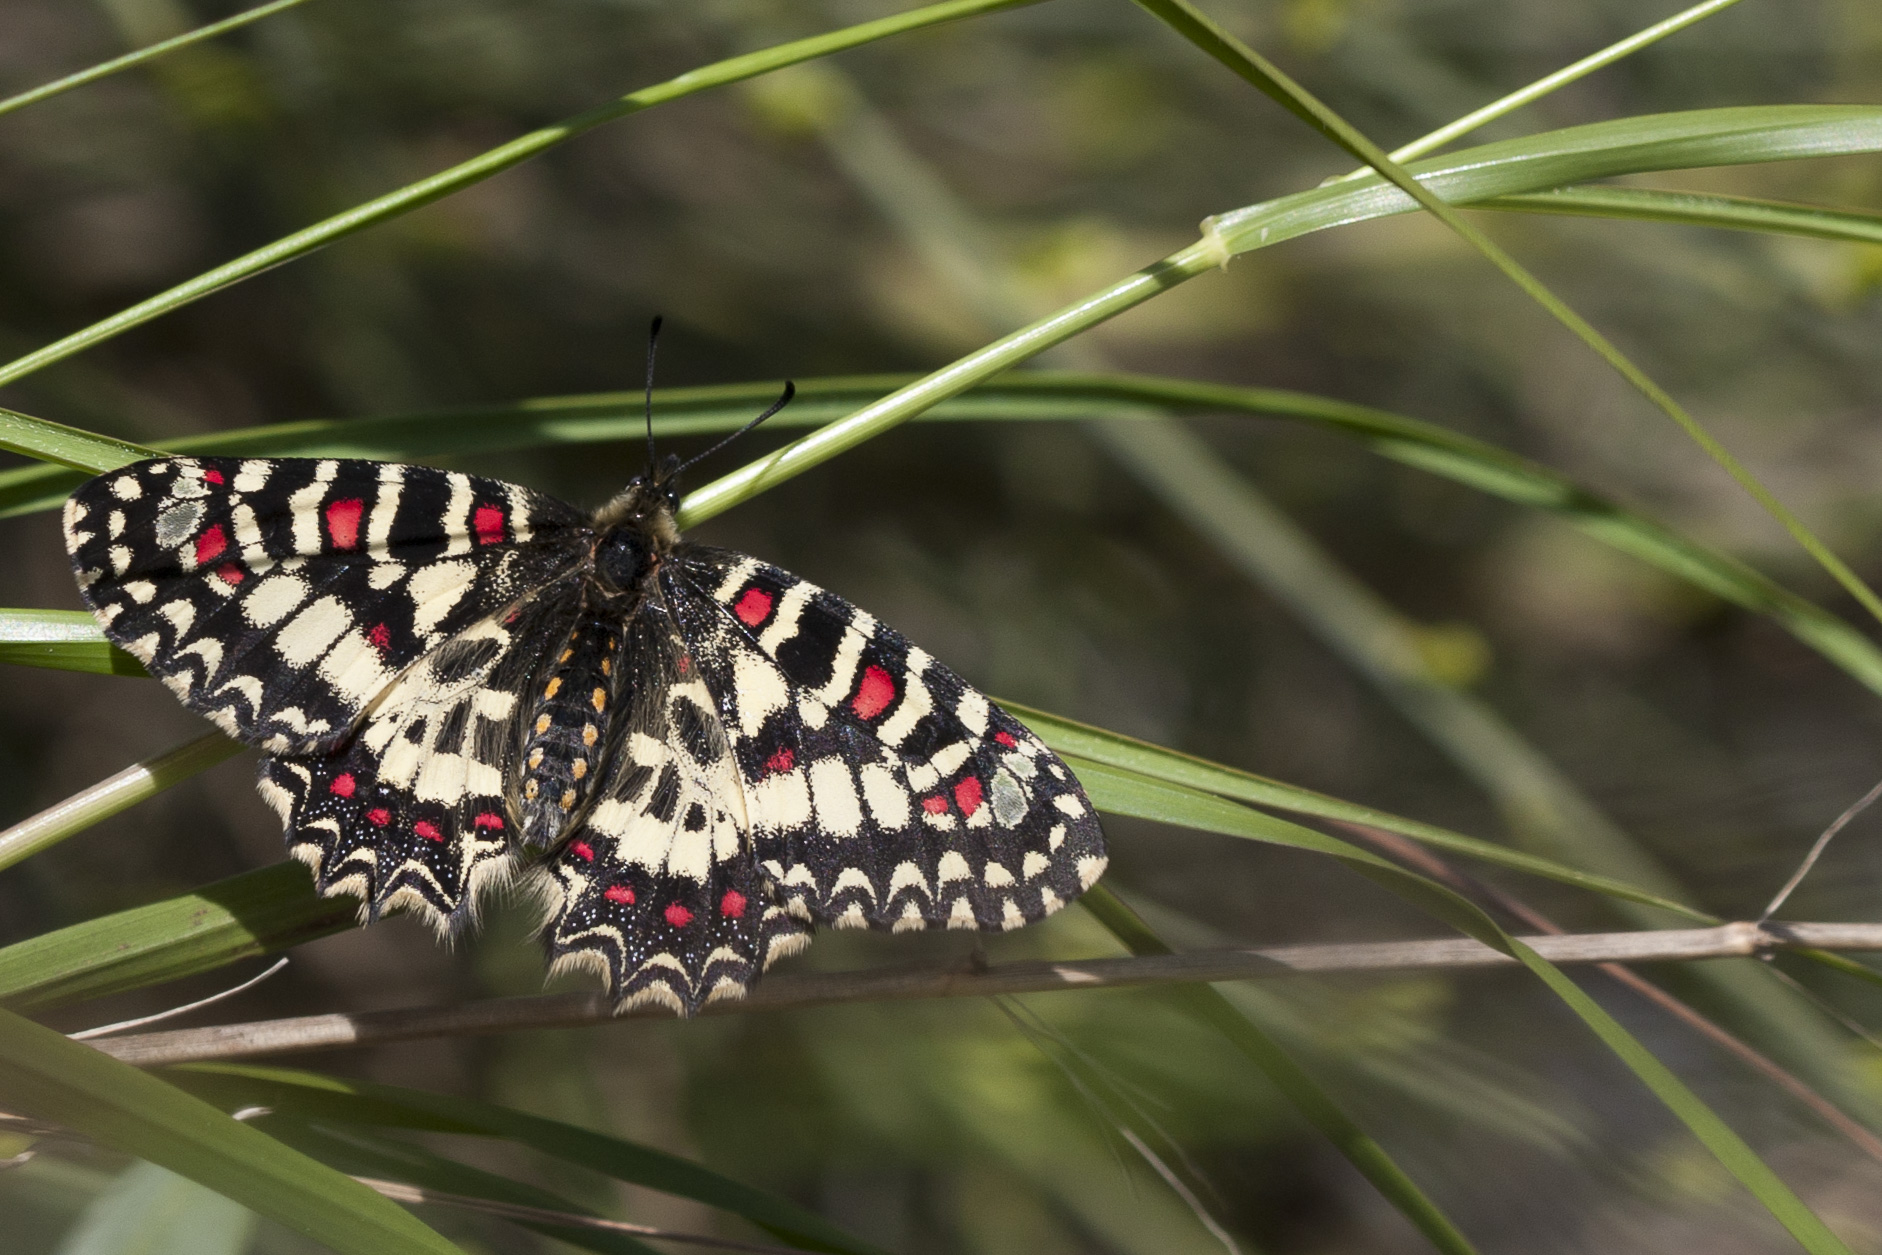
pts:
pixel 415 812
pixel 658 889
pixel 279 597
pixel 882 790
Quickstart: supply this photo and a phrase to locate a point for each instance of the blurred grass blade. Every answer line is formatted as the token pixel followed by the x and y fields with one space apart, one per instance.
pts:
pixel 360 1155
pixel 1251 66
pixel 55 442
pixel 1080 744
pixel 1127 793
pixel 69 640
pixel 333 1100
pixel 113 794
pixel 445 182
pixel 256 913
pixel 149 1210
pixel 105 69
pixel 45 1076
pixel 555 420
pixel 1299 1088
pixel 64 640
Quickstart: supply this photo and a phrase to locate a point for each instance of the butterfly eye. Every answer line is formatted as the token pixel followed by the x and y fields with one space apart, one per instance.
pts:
pixel 621 560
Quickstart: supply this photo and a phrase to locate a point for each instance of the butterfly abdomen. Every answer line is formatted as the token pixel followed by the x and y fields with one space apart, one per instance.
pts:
pixel 566 734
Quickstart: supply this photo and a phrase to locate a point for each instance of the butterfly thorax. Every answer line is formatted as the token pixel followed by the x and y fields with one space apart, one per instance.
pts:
pixel 580 686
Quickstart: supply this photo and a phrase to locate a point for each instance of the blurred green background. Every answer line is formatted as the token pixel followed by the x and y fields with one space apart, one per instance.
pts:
pixel 1077 141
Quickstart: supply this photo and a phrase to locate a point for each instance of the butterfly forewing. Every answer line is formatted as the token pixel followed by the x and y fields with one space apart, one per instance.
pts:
pixel 882 790
pixel 279 597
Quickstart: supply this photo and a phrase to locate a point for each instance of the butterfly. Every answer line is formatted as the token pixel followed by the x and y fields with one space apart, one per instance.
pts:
pixel 691 756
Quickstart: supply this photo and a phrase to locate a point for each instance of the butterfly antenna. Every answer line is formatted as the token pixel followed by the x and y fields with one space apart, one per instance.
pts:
pixel 653 342
pixel 790 390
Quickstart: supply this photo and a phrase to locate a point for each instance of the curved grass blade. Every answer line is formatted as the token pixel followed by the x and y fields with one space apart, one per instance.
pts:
pixel 64 640
pixel 551 421
pixel 1244 61
pixel 68 639
pixel 361 1155
pixel 113 794
pixel 1081 743
pixel 1737 213
pixel 332 1100
pixel 1122 792
pixel 256 913
pixel 105 69
pixel 47 1076
pixel 1601 150
pixel 445 182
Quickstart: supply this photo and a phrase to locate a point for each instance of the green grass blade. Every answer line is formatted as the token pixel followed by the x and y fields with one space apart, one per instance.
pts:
pixel 1081 744
pixel 1122 792
pixel 45 1075
pixel 387 1159
pixel 1294 1082
pixel 105 69
pixel 68 446
pixel 1737 213
pixel 1251 66
pixel 332 1100
pixel 244 916
pixel 1532 92
pixel 64 640
pixel 445 182
pixel 114 794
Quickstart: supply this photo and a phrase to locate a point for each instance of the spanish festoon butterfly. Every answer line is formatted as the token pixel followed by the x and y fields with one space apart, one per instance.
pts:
pixel 694 755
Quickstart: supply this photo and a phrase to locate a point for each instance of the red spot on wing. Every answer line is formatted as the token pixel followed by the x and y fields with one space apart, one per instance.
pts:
pixel 753 607
pixel 213 475
pixel 378 816
pixel 685 663
pixel 967 795
pixel 732 905
pixel 229 573
pixel 935 805
pixel 874 694
pixel 619 893
pixel 381 637
pixel 343 784
pixel 428 830
pixel 487 522
pixel 783 760
pixel 343 522
pixel 210 545
pixel 582 850
pixel 490 820
pixel 1006 739
pixel 677 915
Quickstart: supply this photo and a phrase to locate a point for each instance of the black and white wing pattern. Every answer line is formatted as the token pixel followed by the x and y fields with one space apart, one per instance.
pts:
pixel 659 892
pixel 279 597
pixel 880 789
pixel 699 756
pixel 415 812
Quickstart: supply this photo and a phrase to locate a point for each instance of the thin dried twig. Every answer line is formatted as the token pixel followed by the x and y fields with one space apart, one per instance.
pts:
pixel 170 1013
pixel 399 1192
pixel 1816 851
pixel 795 990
